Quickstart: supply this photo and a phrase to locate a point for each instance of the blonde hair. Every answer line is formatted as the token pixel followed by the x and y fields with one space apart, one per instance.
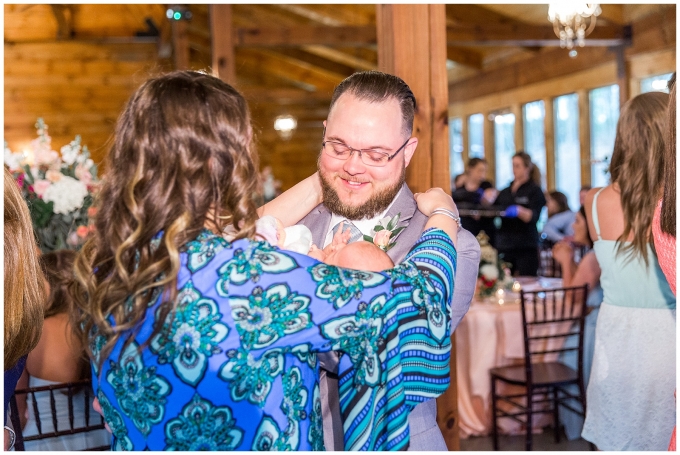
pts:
pixel 181 157
pixel 25 291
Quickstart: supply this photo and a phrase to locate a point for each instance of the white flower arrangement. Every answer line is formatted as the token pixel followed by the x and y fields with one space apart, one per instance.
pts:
pixel 59 189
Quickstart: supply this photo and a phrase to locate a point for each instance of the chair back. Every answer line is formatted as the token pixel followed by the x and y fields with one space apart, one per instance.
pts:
pixel 547 265
pixel 58 393
pixel 549 317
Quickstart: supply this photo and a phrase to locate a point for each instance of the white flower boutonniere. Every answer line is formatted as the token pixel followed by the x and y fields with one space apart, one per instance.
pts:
pixel 385 232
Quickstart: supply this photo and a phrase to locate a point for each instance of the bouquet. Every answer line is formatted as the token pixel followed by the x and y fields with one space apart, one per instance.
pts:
pixel 58 188
pixel 493 274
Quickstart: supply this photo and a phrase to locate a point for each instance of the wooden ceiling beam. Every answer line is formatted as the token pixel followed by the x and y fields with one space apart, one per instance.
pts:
pixel 340 57
pixel 265 94
pixel 301 74
pixel 465 57
pixel 652 33
pixel 301 35
pixel 528 35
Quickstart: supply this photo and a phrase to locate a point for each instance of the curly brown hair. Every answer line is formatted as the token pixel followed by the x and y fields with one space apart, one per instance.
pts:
pixel 636 167
pixel 181 161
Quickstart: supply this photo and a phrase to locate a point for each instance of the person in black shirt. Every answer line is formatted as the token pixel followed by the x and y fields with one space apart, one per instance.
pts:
pixel 517 238
pixel 475 193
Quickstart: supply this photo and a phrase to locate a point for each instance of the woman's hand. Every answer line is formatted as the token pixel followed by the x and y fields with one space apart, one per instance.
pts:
pixel 434 198
pixel 563 253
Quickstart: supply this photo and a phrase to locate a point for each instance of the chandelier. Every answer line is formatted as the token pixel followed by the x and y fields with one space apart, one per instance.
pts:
pixel 573 21
pixel 285 125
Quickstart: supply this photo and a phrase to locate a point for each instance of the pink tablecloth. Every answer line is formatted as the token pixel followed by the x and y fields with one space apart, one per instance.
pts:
pixel 490 335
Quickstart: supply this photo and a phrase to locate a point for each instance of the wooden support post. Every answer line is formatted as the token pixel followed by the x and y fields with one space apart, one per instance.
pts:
pixel 519 126
pixel 549 131
pixel 180 45
pixel 222 41
pixel 412 45
pixel 489 149
pixel 584 134
pixel 622 75
pixel 465 131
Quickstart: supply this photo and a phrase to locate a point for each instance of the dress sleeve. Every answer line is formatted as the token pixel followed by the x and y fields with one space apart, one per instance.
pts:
pixel 393 329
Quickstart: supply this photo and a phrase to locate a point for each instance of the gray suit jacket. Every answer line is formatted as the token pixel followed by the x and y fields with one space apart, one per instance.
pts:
pixel 424 431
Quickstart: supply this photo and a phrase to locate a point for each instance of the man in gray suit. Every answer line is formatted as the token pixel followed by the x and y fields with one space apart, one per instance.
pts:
pixel 362 171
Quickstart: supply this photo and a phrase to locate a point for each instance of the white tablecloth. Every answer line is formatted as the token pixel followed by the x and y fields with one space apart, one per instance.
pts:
pixel 489 336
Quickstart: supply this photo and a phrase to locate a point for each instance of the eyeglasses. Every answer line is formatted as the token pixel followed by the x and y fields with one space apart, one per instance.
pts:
pixel 369 157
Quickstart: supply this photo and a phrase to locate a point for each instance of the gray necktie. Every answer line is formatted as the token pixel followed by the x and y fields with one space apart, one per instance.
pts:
pixel 355 233
pixel 333 434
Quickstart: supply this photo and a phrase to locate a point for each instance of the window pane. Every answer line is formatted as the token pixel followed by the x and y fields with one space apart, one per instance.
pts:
pixel 604 113
pixel 504 138
pixel 456 137
pixel 476 133
pixel 567 148
pixel 534 136
pixel 658 83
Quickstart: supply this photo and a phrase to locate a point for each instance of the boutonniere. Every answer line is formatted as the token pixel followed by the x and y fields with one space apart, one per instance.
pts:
pixel 385 232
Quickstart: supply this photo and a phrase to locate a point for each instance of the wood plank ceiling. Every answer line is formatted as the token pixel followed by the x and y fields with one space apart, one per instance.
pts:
pixel 75 65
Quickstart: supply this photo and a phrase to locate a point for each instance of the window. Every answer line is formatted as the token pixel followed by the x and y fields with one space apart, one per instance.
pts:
pixel 456 155
pixel 567 148
pixel 657 83
pixel 504 139
pixel 534 136
pixel 476 135
pixel 604 114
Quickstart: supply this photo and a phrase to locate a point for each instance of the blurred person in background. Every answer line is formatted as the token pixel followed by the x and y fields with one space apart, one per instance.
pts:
pixel 24 291
pixel 517 238
pixel 476 193
pixel 663 225
pixel 560 218
pixel 633 372
pixel 58 358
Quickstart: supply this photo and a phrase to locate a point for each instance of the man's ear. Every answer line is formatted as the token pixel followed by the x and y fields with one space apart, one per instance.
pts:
pixel 409 150
pixel 324 123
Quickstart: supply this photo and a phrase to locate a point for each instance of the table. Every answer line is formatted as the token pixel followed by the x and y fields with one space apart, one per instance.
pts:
pixel 489 336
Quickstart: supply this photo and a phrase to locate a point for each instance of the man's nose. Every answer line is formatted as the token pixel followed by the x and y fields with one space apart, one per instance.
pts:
pixel 354 165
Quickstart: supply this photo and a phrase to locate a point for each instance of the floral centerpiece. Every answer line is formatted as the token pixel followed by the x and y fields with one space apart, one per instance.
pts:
pixel 493 274
pixel 58 188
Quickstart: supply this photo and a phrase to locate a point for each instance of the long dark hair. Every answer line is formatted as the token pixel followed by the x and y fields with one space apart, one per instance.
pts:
pixel 668 202
pixel 636 166
pixel 181 158
pixel 561 201
pixel 58 269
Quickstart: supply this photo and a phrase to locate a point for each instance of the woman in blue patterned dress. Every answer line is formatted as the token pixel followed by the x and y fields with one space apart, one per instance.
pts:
pixel 199 343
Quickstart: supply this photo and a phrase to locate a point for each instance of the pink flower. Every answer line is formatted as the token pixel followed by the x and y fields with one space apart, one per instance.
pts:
pixel 53 176
pixel 382 238
pixel 82 231
pixel 40 186
pixel 20 180
pixel 91 212
pixel 83 174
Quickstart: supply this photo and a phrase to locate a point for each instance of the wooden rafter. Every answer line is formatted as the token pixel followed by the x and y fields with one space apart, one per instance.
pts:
pixel 301 35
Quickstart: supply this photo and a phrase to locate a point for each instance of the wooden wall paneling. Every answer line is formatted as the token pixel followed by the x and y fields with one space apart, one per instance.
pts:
pixel 223 57
pixel 549 130
pixel 412 45
pixel 584 134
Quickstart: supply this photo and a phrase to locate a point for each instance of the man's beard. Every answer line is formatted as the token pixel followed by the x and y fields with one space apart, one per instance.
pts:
pixel 375 205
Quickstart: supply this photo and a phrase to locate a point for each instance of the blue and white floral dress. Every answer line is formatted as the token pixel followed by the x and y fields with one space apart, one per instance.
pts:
pixel 234 366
